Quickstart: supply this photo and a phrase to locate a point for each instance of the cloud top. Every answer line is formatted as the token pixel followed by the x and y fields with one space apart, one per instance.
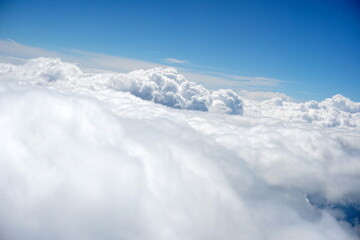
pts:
pixel 160 85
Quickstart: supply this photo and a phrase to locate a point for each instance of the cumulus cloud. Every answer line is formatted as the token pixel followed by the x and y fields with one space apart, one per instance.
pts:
pixel 160 85
pixel 82 157
pixel 226 101
pixel 337 111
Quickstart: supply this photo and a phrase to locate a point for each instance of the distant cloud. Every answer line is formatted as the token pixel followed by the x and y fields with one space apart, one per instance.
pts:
pixel 160 85
pixel 237 82
pixel 261 96
pixel 258 81
pixel 114 63
pixel 11 51
pixel 174 60
pixel 10 48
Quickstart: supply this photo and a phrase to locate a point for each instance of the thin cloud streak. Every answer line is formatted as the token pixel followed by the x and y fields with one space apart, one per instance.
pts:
pixel 114 63
pixel 262 81
pixel 10 48
pixel 176 61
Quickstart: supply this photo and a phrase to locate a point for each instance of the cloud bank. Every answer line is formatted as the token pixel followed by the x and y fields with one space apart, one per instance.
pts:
pixel 88 155
pixel 164 86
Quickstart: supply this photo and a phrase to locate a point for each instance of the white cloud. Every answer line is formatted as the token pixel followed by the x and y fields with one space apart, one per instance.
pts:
pixel 174 60
pixel 79 160
pixel 337 111
pixel 160 85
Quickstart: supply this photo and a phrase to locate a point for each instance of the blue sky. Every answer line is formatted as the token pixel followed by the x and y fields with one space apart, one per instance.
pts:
pixel 311 48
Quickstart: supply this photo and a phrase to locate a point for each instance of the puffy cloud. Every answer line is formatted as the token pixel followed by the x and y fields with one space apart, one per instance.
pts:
pixel 341 103
pixel 160 85
pixel 81 157
pixel 226 101
pixel 337 111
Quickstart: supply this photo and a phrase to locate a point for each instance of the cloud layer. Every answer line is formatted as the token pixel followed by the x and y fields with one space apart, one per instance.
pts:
pixel 83 156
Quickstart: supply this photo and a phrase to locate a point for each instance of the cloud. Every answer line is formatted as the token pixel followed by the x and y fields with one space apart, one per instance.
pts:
pixel 82 160
pixel 337 111
pixel 10 48
pixel 174 60
pixel 160 85
pixel 261 95
pixel 235 82
pixel 114 63
pixel 11 51
pixel 258 81
pixel 15 53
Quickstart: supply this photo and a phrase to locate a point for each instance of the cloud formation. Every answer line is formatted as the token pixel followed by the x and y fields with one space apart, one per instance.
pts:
pixel 81 157
pixel 160 85
pixel 337 111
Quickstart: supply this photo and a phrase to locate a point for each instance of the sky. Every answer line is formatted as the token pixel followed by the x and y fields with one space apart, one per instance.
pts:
pixel 306 49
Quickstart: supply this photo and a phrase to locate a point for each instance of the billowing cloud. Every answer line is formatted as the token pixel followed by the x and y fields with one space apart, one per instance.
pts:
pixel 160 85
pixel 337 111
pixel 81 157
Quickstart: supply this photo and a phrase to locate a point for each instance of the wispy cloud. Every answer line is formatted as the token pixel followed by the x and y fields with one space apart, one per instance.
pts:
pixel 258 81
pixel 114 63
pixel 12 51
pixel 261 95
pixel 247 81
pixel 176 61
